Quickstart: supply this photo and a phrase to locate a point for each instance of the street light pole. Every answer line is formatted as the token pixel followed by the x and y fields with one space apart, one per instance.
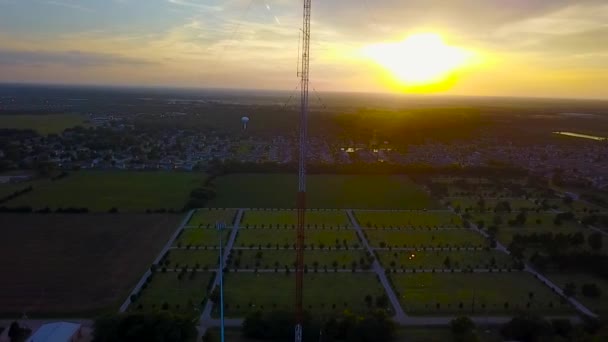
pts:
pixel 220 227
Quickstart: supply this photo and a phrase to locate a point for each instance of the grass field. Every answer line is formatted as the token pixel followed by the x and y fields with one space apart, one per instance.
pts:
pixel 325 294
pixel 204 237
pixel 282 237
pixel 208 217
pixel 376 219
pixel 76 264
pixel 323 191
pixel 183 258
pixel 43 124
pixel 597 305
pixel 436 259
pixel 100 191
pixel 269 259
pixel 490 293
pixel 183 296
pixel 421 239
pixel 290 217
pixel 540 221
pixel 490 204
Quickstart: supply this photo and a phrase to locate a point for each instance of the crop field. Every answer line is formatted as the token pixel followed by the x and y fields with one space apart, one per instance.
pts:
pixel 325 294
pixel 201 237
pixel 489 204
pixel 268 259
pixel 324 191
pixel 280 218
pixel 208 217
pixel 99 191
pixel 417 219
pixel 422 239
pixel 166 292
pixel 76 264
pixel 598 305
pixel 479 293
pixel 333 238
pixel 540 221
pixel 437 259
pixel 189 259
pixel 43 124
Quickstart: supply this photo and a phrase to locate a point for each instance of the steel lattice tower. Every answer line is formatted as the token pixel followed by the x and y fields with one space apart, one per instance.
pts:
pixel 301 196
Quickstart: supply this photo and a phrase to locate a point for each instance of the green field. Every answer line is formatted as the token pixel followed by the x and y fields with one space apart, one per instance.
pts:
pixel 183 296
pixel 189 259
pixel 100 191
pixel 325 294
pixel 208 217
pixel 323 191
pixel 204 237
pixel 434 219
pixel 268 259
pixel 436 259
pixel 257 218
pixel 287 237
pixel 479 293
pixel 597 305
pixel 423 239
pixel 489 204
pixel 43 124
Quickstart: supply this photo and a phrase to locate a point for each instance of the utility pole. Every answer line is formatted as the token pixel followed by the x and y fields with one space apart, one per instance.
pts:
pixel 303 142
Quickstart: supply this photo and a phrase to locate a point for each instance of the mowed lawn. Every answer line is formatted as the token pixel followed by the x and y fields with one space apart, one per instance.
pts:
pixel 323 191
pixel 128 191
pixel 167 293
pixel 597 305
pixel 324 293
pixel 408 219
pixel 462 238
pixel 190 259
pixel 208 217
pixel 43 124
pixel 437 259
pixel 268 259
pixel 280 218
pixel 321 238
pixel 479 293
pixel 76 265
pixel 201 237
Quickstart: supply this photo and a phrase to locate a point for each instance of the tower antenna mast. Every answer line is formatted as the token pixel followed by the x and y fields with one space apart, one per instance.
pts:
pixel 301 196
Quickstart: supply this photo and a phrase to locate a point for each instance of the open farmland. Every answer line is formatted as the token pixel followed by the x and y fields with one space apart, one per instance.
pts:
pixel 334 238
pixel 201 237
pixel 417 219
pixel 326 293
pixel 324 191
pixel 437 259
pixel 209 217
pixel 461 238
pixel 191 259
pixel 76 264
pixel 99 191
pixel 43 124
pixel 479 293
pixel 473 203
pixel 331 218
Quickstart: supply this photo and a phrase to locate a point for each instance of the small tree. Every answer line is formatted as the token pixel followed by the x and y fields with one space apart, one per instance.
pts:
pixel 591 291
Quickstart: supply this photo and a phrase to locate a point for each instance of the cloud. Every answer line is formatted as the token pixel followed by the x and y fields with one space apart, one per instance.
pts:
pixel 195 5
pixel 68 58
pixel 69 5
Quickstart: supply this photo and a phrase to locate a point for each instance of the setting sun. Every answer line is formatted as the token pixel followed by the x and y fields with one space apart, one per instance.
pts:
pixel 419 60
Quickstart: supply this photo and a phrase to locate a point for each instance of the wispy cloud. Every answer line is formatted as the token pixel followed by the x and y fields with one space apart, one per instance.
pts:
pixel 68 58
pixel 70 5
pixel 196 5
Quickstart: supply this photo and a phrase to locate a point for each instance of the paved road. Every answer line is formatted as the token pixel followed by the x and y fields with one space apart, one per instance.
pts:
pixel 142 281
pixel 400 316
pixel 206 314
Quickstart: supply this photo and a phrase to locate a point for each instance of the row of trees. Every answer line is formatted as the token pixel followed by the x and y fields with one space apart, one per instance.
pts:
pixel 16 194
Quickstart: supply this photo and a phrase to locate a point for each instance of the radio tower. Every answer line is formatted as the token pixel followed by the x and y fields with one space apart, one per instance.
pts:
pixel 301 197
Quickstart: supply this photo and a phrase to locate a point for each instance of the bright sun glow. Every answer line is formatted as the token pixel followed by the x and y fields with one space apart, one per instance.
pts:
pixel 419 60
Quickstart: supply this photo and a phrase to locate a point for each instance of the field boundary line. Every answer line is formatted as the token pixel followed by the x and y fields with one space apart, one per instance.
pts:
pixel 162 253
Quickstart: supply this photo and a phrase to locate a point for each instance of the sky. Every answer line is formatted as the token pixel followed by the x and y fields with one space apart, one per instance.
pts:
pixel 540 48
